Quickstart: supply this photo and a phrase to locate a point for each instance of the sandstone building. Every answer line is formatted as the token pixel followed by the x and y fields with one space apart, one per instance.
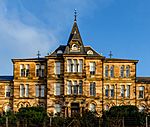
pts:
pixel 74 77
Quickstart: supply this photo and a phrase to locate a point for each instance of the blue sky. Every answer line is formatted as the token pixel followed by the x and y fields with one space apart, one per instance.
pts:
pixel 120 26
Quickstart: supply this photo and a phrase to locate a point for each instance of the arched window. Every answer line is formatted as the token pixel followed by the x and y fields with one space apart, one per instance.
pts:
pixel 106 71
pixel 92 107
pixel 122 71
pixel 127 71
pixel 112 71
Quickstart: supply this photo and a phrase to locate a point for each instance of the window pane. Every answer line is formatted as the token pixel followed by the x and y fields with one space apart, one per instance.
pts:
pixel 75 65
pixel 80 87
pixel 37 90
pixel 27 70
pixel 57 68
pixel 107 91
pixel 57 89
pixel 112 91
pixel 21 90
pixel 112 71
pixel 122 71
pixel 128 91
pixel 75 88
pixel 42 90
pixel 26 90
pixel 127 71
pixel 69 65
pixel 92 89
pixel 80 66
pixel 68 87
pixel 7 91
pixel 37 70
pixel 42 70
pixel 92 68
pixel 106 71
pixel 122 91
pixel 141 92
pixel 22 70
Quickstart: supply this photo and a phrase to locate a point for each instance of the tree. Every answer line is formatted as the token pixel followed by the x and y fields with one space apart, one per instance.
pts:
pixel 32 115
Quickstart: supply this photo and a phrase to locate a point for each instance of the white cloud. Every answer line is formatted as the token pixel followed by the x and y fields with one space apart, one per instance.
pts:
pixel 24 30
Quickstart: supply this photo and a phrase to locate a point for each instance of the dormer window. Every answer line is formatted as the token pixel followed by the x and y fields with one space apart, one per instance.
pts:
pixel 90 52
pixel 75 47
pixel 59 52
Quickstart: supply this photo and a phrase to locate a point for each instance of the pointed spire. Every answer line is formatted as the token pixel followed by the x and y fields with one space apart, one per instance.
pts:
pixel 75 34
pixel 75 15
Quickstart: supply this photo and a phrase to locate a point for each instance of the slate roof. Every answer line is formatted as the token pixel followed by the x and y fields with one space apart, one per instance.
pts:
pixel 143 79
pixel 29 59
pixel 118 59
pixel 6 78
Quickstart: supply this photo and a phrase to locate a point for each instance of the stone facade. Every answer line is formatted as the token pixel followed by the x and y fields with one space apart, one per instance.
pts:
pixel 74 78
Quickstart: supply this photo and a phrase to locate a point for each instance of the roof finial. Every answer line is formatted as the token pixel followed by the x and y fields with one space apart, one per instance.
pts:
pixel 38 55
pixel 75 15
pixel 110 54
